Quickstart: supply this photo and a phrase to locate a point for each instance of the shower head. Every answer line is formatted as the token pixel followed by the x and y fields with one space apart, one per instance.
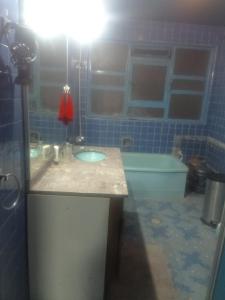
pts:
pixel 24 49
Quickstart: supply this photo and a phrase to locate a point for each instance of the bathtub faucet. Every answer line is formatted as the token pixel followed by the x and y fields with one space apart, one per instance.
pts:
pixel 177 153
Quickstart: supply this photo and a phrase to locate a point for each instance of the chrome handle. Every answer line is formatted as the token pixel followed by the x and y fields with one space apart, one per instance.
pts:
pixel 5 177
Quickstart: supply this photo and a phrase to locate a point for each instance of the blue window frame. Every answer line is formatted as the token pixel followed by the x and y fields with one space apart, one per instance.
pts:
pixel 184 72
pixel 155 98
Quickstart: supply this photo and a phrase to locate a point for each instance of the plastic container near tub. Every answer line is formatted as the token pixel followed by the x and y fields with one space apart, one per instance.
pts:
pixel 155 175
pixel 214 199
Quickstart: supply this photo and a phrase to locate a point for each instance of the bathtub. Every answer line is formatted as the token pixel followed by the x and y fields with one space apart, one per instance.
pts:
pixel 154 175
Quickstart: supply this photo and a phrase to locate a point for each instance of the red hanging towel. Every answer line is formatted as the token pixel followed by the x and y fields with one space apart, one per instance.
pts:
pixel 69 108
pixel 62 108
pixel 66 110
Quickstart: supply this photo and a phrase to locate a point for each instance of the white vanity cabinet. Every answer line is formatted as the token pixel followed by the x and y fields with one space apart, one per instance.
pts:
pixel 67 242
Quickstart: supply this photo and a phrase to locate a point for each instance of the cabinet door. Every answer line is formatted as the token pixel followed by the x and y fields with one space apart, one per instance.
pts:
pixel 67 239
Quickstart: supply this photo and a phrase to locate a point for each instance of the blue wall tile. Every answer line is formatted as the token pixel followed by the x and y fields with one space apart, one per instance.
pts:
pixel 149 136
pixel 13 252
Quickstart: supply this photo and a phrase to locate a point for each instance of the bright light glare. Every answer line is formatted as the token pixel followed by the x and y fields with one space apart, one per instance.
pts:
pixel 43 17
pixel 83 20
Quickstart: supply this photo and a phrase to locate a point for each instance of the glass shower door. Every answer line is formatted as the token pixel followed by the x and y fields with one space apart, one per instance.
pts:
pixel 217 285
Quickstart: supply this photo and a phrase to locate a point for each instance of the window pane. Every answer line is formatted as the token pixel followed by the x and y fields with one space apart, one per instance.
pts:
pixel 192 85
pixel 53 77
pixel 145 112
pixel 185 107
pixel 50 97
pixel 109 57
pixel 191 62
pixel 159 53
pixel 104 79
pixel 148 82
pixel 53 53
pixel 107 102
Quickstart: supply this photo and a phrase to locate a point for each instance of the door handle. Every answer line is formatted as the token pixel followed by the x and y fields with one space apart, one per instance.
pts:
pixel 5 178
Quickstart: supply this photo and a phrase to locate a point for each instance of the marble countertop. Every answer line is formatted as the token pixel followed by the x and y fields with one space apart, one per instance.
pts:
pixel 70 175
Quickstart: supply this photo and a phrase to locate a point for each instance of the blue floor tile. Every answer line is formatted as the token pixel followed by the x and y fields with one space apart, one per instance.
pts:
pixel 176 227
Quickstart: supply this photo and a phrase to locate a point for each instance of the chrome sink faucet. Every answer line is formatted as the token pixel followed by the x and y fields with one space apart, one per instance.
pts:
pixel 56 154
pixel 62 151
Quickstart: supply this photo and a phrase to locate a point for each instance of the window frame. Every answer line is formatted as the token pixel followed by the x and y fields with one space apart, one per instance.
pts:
pixel 170 63
pixel 151 103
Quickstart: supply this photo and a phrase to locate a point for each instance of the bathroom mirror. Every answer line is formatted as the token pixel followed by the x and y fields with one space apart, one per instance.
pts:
pixel 49 77
pixel 49 74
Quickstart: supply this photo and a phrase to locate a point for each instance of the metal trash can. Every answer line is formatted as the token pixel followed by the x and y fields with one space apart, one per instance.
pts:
pixel 214 199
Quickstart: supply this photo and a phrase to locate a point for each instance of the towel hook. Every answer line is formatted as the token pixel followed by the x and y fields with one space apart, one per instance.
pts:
pixel 5 177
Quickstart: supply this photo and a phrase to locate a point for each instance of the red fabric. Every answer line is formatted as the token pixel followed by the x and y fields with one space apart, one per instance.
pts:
pixel 66 109
pixel 69 108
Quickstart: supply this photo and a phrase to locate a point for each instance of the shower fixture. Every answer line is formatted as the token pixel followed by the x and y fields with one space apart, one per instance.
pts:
pixel 23 51
pixel 80 138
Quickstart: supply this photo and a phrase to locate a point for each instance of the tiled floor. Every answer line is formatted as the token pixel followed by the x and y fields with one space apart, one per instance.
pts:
pixel 164 237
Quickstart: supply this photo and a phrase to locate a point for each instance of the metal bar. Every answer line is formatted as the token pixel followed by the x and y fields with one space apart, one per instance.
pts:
pixel 26 138
pixel 146 104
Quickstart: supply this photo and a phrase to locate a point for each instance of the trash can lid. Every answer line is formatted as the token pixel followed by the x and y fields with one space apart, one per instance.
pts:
pixel 216 176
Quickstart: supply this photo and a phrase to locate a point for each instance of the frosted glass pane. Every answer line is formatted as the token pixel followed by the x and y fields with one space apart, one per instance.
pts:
pixel 109 57
pixel 192 85
pixel 191 62
pixel 157 53
pixel 53 53
pixel 49 76
pixel 185 107
pixel 50 97
pixel 107 102
pixel 104 79
pixel 148 82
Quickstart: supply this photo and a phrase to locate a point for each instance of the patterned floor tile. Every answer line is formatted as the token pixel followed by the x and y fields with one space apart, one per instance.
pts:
pixel 175 226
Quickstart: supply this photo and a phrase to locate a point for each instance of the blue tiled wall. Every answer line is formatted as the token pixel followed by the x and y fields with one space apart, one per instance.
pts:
pixel 49 128
pixel 150 136
pixel 13 254
pixel 216 114
pixel 215 157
